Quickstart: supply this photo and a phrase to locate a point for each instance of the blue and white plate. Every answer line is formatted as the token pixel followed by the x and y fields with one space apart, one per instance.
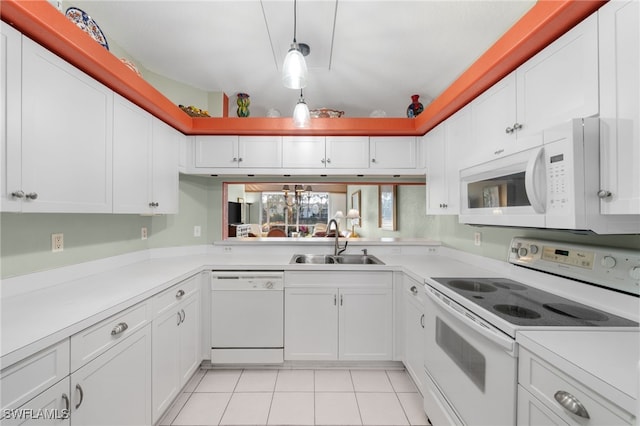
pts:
pixel 87 24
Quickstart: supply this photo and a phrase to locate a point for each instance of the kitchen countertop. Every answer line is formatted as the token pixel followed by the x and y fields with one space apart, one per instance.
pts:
pixel 70 302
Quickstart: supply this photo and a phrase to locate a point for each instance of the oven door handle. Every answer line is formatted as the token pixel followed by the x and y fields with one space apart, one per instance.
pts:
pixel 502 341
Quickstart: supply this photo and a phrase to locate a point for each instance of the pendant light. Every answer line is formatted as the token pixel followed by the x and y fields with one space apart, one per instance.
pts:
pixel 301 116
pixel 294 70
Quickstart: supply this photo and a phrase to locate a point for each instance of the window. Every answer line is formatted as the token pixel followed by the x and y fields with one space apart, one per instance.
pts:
pixel 294 213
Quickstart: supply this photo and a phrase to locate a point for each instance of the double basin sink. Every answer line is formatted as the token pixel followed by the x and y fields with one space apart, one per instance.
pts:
pixel 342 259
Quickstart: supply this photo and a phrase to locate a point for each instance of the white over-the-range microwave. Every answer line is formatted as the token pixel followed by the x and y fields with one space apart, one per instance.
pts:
pixel 554 185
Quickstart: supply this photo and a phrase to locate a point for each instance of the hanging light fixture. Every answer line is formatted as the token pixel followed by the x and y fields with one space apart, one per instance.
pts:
pixel 294 70
pixel 301 116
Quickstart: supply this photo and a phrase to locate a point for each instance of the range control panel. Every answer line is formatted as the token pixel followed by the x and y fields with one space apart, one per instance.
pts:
pixel 614 268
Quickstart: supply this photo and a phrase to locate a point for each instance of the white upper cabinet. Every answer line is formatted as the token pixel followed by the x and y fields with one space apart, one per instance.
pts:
pixel 145 159
pixel 447 145
pixel 347 152
pixel 66 136
pixel 392 152
pixel 556 85
pixel 10 114
pixel 620 107
pixel 245 152
pixel 303 152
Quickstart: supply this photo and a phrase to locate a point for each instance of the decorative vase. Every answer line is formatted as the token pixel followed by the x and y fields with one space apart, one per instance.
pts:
pixel 415 108
pixel 243 105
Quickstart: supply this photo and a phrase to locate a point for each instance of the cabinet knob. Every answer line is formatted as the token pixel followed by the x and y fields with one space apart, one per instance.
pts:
pixel 179 293
pixel 239 159
pixel 414 290
pixel 571 404
pixel 373 160
pixel 32 195
pixel 118 329
pixel 18 194
pixel 517 126
pixel 603 193
pixel 328 160
pixel 323 161
pixel 235 159
pixel 509 130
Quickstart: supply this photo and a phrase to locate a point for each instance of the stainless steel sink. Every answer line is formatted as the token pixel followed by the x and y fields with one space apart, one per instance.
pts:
pixel 344 259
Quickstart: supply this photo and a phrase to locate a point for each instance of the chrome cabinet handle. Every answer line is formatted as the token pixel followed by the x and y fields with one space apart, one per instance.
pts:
pixel 328 160
pixel 517 126
pixel 571 404
pixel 120 328
pixel 235 159
pixel 154 204
pixel 179 294
pixel 443 205
pixel 498 152
pixel 179 318
pixel 239 159
pixel 32 195
pixel 422 321
pixel 67 403
pixel 335 300
pixel 603 193
pixel 340 300
pixel 509 130
pixel 18 194
pixel 183 315
pixel 414 290
pixel 323 161
pixel 79 389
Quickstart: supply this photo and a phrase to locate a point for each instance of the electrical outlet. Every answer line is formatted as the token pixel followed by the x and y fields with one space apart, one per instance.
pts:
pixel 57 243
pixel 477 238
pixel 143 233
pixel 197 231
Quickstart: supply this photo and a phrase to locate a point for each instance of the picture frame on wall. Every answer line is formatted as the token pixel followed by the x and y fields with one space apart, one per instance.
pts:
pixel 387 210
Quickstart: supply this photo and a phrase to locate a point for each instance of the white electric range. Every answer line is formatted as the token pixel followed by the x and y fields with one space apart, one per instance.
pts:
pixel 471 356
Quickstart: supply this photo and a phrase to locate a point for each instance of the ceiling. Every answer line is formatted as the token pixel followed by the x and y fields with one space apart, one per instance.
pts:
pixel 365 55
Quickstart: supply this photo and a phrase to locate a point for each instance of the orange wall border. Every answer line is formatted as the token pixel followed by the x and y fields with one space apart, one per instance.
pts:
pixel 543 23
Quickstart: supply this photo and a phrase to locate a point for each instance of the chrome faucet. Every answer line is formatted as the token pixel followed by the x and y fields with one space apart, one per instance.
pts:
pixel 336 246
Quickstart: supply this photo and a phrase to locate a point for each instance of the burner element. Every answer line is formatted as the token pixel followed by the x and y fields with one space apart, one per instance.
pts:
pixel 469 285
pixel 574 311
pixel 516 311
pixel 509 286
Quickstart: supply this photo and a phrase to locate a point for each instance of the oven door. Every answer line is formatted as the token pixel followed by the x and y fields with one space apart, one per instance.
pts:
pixel 471 366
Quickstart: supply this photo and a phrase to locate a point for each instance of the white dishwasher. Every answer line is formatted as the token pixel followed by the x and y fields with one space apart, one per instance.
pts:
pixel 247 317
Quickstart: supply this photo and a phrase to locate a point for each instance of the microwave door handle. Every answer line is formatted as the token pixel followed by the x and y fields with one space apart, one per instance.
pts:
pixel 534 182
pixel 504 342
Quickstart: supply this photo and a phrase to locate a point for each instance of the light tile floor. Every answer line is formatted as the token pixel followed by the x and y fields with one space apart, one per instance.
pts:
pixel 297 397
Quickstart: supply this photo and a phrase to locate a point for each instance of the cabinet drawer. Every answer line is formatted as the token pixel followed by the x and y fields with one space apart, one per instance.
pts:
pixel 343 279
pixel 175 294
pixel 94 340
pixel 543 380
pixel 27 378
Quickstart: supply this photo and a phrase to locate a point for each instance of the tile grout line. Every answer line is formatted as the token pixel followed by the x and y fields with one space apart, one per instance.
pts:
pixel 355 395
pixel 395 392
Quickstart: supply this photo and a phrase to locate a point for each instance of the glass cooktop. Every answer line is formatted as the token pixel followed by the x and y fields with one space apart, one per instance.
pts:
pixel 523 305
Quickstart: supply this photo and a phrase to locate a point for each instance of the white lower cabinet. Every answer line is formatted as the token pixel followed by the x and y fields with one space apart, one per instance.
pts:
pixel 51 407
pixel 338 316
pixel 115 388
pixel 176 342
pixel 549 394
pixel 414 331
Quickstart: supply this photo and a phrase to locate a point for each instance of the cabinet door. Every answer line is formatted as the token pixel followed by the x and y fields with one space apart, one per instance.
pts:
pixel 216 151
pixel 165 177
pixel 414 340
pixel 51 407
pixel 115 388
pixel 131 157
pixel 560 82
pixel 260 151
pixel 366 324
pixel 392 152
pixel 620 106
pixel 492 114
pixel 10 116
pixel 347 152
pixel 532 412
pixel 166 364
pixel 189 347
pixel 437 194
pixel 311 324
pixel 458 139
pixel 303 152
pixel 66 136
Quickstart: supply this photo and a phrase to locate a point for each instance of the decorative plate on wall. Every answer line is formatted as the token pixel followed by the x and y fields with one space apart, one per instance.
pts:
pixel 87 24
